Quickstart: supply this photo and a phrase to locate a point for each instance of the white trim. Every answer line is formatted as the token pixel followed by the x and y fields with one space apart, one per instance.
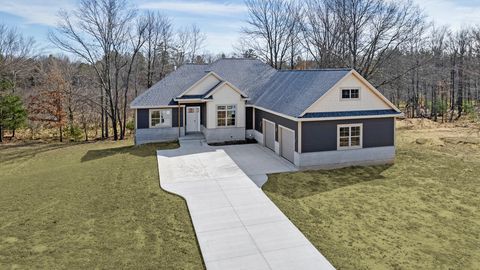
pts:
pixel 222 84
pixel 160 110
pixel 253 114
pixel 280 142
pixel 263 131
pixel 289 129
pixel 371 87
pixel 198 118
pixel 349 136
pixel 199 81
pixel 273 112
pixel 136 119
pixel 190 100
pixel 325 94
pixel 350 88
pixel 226 110
pixel 155 107
pixel 349 117
pixel 363 80
pixel 299 136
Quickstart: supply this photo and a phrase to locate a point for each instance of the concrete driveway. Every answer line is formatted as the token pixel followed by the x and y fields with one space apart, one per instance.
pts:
pixel 257 161
pixel 236 224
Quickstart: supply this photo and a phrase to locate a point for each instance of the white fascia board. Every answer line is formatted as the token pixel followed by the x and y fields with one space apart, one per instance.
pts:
pixel 350 117
pixel 190 100
pixel 273 112
pixel 156 107
pixel 363 80
pixel 231 86
pixel 199 81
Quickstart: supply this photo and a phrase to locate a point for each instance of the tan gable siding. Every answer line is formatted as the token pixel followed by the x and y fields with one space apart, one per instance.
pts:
pixel 225 96
pixel 204 85
pixel 332 101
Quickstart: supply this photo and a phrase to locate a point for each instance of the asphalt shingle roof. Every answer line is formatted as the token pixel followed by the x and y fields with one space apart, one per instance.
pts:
pixel 288 92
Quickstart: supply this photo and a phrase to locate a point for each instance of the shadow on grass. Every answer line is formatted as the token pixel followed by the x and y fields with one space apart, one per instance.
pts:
pixel 29 150
pixel 296 185
pixel 144 150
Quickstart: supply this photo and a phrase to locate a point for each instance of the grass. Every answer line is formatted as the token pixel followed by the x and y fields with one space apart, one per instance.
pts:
pixel 420 213
pixel 90 206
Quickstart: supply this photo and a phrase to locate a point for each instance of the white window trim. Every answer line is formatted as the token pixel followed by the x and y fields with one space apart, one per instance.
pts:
pixel 350 137
pixel 159 110
pixel 216 115
pixel 350 88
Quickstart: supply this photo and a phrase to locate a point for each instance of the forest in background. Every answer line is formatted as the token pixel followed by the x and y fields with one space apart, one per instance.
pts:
pixel 113 52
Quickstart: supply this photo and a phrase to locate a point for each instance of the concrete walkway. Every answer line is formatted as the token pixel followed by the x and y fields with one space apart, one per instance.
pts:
pixel 237 225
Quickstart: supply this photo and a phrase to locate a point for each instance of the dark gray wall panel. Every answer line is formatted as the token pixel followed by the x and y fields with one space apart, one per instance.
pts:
pixel 278 120
pixel 322 135
pixel 142 118
pixel 249 118
pixel 175 117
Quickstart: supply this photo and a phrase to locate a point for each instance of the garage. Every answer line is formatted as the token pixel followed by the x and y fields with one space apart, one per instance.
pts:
pixel 287 143
pixel 269 128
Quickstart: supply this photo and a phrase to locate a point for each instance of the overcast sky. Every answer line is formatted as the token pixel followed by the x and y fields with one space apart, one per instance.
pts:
pixel 220 20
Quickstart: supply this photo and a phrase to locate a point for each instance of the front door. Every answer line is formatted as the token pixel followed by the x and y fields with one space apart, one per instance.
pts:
pixel 193 119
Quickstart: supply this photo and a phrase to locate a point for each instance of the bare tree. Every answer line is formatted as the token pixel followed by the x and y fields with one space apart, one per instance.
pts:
pixel 158 36
pixel 188 42
pixel 272 30
pixel 361 34
pixel 15 53
pixel 99 32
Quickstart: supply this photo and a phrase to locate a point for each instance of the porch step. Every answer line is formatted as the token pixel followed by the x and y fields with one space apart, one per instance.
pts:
pixel 193 139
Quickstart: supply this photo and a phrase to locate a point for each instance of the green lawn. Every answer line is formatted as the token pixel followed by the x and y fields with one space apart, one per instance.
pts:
pixel 87 206
pixel 421 213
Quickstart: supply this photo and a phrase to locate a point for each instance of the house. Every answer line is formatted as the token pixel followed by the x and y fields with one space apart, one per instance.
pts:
pixel 313 118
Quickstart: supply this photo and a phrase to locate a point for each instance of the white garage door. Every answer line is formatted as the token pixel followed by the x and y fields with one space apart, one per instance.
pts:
pixel 269 134
pixel 287 143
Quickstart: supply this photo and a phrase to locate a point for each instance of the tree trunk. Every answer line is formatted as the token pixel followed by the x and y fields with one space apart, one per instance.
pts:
pixel 61 133
pixel 85 131
pixel 1 133
pixel 102 115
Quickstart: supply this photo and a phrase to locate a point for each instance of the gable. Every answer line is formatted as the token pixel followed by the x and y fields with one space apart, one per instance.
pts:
pixel 204 85
pixel 331 101
pixel 226 94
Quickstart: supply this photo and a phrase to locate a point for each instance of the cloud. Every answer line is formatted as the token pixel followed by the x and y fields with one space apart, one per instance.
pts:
pixel 456 14
pixel 35 12
pixel 202 7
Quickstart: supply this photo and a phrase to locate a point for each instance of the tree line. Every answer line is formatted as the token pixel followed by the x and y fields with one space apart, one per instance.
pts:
pixel 113 52
pixel 427 70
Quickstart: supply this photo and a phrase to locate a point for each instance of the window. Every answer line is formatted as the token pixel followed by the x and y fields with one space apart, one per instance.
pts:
pixel 226 115
pixel 351 93
pixel 161 118
pixel 349 136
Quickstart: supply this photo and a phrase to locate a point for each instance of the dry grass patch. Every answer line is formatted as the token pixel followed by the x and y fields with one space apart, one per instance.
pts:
pixel 90 206
pixel 420 213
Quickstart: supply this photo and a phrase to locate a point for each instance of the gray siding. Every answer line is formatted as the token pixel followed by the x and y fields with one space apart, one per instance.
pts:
pixel 143 118
pixel 249 117
pixel 278 120
pixel 322 135
pixel 175 117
